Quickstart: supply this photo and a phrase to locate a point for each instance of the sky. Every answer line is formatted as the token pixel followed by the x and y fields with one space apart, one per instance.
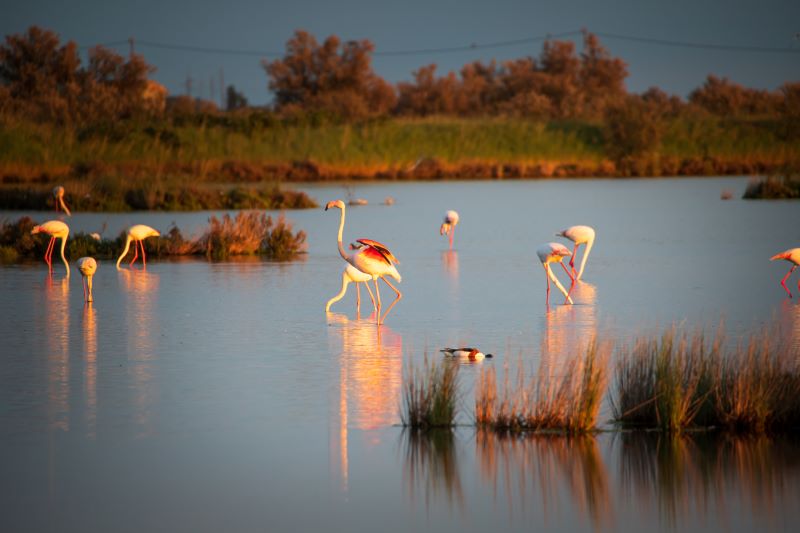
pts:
pixel 422 25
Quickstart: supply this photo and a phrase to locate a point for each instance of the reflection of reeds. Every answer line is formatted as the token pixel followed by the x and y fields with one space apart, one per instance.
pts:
pixel 689 474
pixel 569 402
pixel 680 380
pixel 431 461
pixel 429 395
pixel 545 460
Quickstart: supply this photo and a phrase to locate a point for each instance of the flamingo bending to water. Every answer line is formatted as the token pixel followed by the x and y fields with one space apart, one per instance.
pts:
pixel 579 235
pixel 793 256
pixel 87 266
pixel 554 252
pixel 448 227
pixel 137 234
pixel 351 274
pixel 57 230
pixel 373 259
pixel 58 196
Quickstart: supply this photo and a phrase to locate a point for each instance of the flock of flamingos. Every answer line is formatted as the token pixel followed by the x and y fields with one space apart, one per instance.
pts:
pixel 369 260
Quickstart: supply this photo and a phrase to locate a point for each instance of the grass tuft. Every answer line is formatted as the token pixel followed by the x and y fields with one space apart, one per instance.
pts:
pixel 430 395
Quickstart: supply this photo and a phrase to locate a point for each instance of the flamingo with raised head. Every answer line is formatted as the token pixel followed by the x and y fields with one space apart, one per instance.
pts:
pixel 137 234
pixel 579 235
pixel 373 259
pixel 448 227
pixel 58 196
pixel 351 274
pixel 793 256
pixel 57 230
pixel 87 266
pixel 554 252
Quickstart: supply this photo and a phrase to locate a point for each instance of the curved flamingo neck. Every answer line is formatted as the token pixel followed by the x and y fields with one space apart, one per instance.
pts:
pixel 125 251
pixel 585 257
pixel 339 238
pixel 63 245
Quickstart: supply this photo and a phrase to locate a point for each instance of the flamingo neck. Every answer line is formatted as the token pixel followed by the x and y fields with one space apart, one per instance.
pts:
pixel 342 252
pixel 63 245
pixel 585 257
pixel 125 251
pixel 345 281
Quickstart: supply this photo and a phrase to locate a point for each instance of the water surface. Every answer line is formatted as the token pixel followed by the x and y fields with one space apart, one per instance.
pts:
pixel 198 396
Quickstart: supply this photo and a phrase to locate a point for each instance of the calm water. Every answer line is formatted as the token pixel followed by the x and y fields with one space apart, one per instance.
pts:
pixel 203 396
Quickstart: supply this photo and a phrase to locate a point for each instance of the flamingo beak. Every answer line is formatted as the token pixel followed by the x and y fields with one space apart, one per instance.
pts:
pixel 773 258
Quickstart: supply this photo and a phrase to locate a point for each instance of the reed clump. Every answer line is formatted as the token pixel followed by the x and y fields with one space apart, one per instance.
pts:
pixel 249 233
pixel 776 187
pixel 680 381
pixel 430 394
pixel 569 401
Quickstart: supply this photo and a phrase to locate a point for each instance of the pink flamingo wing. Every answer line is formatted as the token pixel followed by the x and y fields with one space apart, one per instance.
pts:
pixel 381 249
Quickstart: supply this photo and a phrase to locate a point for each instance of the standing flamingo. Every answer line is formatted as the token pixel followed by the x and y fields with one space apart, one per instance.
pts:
pixel 352 274
pixel 448 227
pixel 57 230
pixel 579 235
pixel 373 259
pixel 137 234
pixel 793 256
pixel 554 252
pixel 87 266
pixel 58 196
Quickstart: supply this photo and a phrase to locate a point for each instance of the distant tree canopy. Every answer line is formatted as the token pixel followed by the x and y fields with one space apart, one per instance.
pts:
pixel 329 77
pixel 44 79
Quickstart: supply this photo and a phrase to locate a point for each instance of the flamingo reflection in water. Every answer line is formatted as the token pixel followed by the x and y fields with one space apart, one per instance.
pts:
pixel 370 363
pixel 90 369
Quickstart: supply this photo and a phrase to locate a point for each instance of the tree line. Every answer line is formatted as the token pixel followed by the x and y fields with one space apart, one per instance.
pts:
pixel 43 79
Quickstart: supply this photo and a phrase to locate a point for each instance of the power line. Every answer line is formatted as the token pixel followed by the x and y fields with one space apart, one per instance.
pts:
pixel 704 46
pixel 470 47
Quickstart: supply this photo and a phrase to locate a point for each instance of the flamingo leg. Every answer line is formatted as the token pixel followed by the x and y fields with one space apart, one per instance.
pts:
pixel 783 281
pixel 144 259
pixel 135 253
pixel 547 277
pixel 358 298
pixel 559 286
pixel 571 279
pixel 572 259
pixel 378 294
pixel 49 252
pixel 371 296
pixel 452 232
pixel 397 292
pixel 83 283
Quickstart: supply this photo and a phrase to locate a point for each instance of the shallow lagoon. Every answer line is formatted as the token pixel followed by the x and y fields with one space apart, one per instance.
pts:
pixel 220 396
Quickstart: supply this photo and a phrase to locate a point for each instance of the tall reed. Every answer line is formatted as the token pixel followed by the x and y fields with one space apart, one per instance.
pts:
pixel 430 394
pixel 567 402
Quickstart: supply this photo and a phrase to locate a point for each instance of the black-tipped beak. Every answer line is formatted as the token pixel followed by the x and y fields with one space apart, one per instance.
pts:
pixel 326 208
pixel 489 356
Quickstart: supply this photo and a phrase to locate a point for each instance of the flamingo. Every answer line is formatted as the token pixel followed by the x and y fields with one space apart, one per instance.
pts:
pixel 87 266
pixel 554 252
pixel 793 256
pixel 58 195
pixel 579 235
pixel 373 259
pixel 57 230
pixel 352 274
pixel 137 233
pixel 472 354
pixel 449 225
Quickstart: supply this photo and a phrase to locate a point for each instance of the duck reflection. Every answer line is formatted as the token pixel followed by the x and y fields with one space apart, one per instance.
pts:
pixel 546 464
pixel 141 288
pixel 90 367
pixel 370 374
pixel 431 465
pixel 686 476
pixel 56 328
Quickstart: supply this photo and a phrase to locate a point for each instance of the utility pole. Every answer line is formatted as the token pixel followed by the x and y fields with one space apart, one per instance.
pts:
pixel 132 44
pixel 211 97
pixel 188 85
pixel 221 88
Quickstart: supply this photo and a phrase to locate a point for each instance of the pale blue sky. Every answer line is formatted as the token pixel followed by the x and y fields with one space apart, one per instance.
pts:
pixel 422 24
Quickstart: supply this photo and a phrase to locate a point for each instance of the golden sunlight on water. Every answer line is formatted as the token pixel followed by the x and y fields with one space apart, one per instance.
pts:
pixel 90 367
pixel 370 363
pixel 56 326
pixel 141 288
